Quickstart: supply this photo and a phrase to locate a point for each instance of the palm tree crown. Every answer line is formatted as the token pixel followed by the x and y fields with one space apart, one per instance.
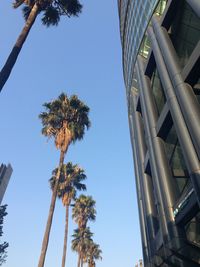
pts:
pixel 65 119
pixel 80 241
pixel 93 253
pixel 70 180
pixel 84 210
pixel 52 9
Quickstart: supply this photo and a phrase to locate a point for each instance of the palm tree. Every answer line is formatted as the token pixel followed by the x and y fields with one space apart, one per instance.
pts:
pixel 93 253
pixel 52 11
pixel 70 180
pixel 64 119
pixel 81 239
pixel 84 210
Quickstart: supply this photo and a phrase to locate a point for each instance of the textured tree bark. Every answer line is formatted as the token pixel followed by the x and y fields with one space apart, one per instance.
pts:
pixel 12 58
pixel 79 260
pixel 50 216
pixel 65 237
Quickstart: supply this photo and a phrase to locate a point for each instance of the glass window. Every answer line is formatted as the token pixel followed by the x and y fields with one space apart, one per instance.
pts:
pixel 138 16
pixel 161 7
pixel 196 89
pixel 176 160
pixel 158 91
pixel 145 46
pixel 193 230
pixel 185 32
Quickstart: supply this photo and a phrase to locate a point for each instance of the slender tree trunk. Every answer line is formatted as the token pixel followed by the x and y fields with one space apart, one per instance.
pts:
pixel 11 60
pixel 79 260
pixel 65 236
pixel 50 216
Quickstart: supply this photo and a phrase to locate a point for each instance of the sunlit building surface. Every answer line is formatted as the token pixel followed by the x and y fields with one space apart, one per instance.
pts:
pixel 161 64
pixel 5 173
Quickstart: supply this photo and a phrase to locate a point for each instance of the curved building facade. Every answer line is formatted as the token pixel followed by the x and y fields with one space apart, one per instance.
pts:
pixel 134 18
pixel 161 64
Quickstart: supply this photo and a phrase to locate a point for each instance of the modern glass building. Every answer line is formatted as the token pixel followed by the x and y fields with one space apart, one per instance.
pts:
pixel 161 63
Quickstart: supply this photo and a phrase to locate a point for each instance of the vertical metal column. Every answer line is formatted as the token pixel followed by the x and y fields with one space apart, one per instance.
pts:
pixel 139 197
pixel 185 95
pixel 165 184
pixel 148 194
pixel 149 115
pixel 189 152
pixel 145 180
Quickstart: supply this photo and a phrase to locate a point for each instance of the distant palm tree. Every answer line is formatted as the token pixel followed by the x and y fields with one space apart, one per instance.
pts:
pixel 93 253
pixel 52 11
pixel 65 119
pixel 84 210
pixel 81 239
pixel 70 180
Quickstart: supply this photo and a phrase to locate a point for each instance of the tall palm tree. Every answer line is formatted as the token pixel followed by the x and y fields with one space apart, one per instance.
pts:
pixel 64 119
pixel 81 239
pixel 84 210
pixel 52 11
pixel 93 253
pixel 70 180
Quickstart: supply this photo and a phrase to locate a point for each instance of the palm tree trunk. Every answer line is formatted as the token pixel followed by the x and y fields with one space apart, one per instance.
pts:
pixel 79 260
pixel 50 216
pixel 11 60
pixel 65 236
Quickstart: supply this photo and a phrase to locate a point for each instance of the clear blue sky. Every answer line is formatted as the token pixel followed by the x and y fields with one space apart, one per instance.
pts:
pixel 81 56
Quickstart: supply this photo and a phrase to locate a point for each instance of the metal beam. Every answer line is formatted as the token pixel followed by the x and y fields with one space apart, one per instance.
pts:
pixel 189 152
pixel 185 95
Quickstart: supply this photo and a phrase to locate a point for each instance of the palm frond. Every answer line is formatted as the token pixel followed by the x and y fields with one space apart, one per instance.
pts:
pixel 70 180
pixel 84 210
pixel 81 238
pixel 51 17
pixel 71 7
pixel 65 119
pixel 26 10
